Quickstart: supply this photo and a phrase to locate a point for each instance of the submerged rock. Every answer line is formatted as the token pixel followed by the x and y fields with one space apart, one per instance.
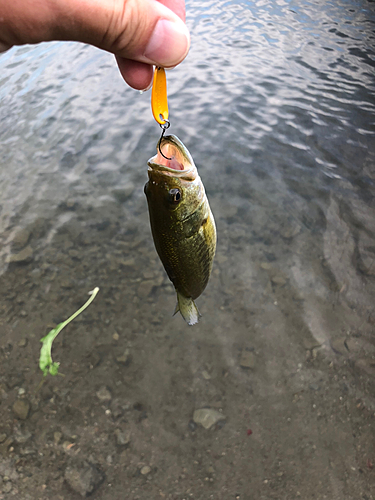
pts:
pixel 84 479
pixel 103 394
pixel 23 256
pixel 21 409
pixel 146 469
pixel 21 238
pixel 207 417
pixel 247 359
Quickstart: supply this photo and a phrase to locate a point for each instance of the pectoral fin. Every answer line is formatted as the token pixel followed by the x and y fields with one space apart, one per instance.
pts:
pixel 187 308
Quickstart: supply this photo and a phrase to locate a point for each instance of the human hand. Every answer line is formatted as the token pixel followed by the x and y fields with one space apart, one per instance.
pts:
pixel 141 33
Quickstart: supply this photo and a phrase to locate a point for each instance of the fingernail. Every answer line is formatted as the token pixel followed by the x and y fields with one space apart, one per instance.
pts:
pixel 169 43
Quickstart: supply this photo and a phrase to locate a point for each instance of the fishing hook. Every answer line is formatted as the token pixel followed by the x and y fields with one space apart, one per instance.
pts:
pixel 165 126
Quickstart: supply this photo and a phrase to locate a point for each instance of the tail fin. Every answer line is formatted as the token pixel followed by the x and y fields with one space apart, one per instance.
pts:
pixel 187 308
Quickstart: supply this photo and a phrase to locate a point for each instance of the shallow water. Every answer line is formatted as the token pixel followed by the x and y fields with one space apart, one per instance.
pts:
pixel 276 105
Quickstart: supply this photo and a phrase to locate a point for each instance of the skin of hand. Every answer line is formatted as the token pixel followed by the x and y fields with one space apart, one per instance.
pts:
pixel 140 33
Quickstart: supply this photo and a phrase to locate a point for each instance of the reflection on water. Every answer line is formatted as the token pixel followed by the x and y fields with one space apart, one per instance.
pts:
pixel 276 104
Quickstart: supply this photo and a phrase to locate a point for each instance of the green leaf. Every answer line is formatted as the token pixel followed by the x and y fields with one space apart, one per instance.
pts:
pixel 46 364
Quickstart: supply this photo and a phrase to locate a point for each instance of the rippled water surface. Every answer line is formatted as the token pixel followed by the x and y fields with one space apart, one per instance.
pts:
pixel 276 103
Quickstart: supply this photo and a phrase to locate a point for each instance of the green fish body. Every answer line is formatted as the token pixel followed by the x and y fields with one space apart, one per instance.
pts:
pixel 182 223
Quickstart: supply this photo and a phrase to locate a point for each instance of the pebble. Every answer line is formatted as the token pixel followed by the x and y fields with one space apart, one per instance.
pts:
pixel 21 408
pixel 366 364
pixel 74 253
pixel 221 259
pixel 122 438
pixel 22 343
pixel 23 256
pixel 84 479
pixel 21 238
pixel 291 231
pixel 192 425
pixel 124 359
pixel 278 280
pixel 266 266
pixel 127 262
pixel 2 438
pixel 207 417
pixel 206 375
pixel 145 288
pixel 22 436
pixel 7 488
pixel 103 394
pixel 146 469
pixel 116 336
pixel 338 346
pixel 57 435
pixel 247 359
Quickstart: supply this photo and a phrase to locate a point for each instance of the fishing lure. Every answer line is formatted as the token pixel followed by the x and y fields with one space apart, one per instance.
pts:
pixel 159 103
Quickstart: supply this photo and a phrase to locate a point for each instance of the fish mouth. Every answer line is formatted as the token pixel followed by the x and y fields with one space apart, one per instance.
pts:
pixel 172 157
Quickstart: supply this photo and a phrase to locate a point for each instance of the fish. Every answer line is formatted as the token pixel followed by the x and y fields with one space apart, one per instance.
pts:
pixel 182 224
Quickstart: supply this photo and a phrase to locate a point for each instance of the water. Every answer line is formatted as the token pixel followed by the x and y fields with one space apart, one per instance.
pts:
pixel 276 104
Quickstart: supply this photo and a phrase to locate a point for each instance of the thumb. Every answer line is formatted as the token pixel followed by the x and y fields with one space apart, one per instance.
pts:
pixel 143 30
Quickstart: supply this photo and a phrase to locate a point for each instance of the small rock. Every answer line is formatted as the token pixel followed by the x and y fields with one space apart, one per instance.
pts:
pixel 21 391
pixel 145 288
pixel 122 438
pixel 57 435
pixel 278 280
pixel 27 451
pixel 266 266
pixel 2 438
pixel 103 394
pixel 291 231
pixel 21 408
pixel 247 359
pixel 74 253
pixel 22 343
pixel 22 436
pixel 366 364
pixel 220 258
pixel 116 336
pixel 192 425
pixel 148 274
pixel 23 313
pixel 7 488
pixel 206 375
pixel 21 238
pixel 84 479
pixel 23 256
pixel 127 262
pixel 339 347
pixel 5 445
pixel 146 469
pixel 207 417
pixel 124 359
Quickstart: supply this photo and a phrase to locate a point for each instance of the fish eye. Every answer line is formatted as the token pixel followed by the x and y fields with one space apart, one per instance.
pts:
pixel 174 196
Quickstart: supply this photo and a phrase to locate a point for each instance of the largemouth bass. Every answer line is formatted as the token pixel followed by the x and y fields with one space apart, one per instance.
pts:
pixel 182 223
